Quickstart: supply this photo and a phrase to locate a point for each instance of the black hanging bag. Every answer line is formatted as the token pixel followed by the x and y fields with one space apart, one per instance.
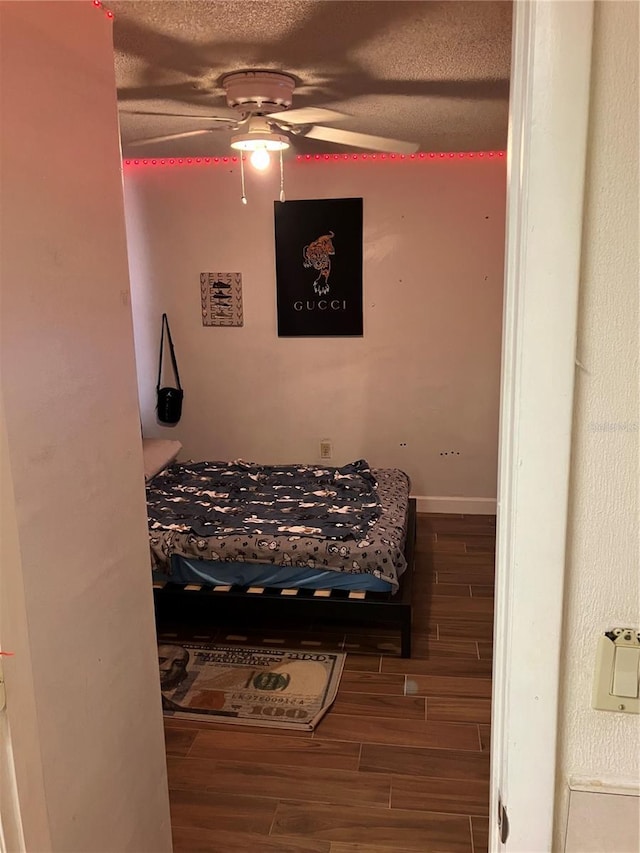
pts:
pixel 169 399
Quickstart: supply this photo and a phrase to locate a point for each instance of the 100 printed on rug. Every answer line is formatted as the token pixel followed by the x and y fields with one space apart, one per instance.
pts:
pixel 285 688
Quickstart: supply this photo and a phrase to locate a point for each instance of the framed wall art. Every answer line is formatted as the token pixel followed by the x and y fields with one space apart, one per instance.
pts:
pixel 221 298
pixel 319 267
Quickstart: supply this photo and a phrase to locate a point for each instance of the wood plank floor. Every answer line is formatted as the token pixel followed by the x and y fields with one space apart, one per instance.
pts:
pixel 400 763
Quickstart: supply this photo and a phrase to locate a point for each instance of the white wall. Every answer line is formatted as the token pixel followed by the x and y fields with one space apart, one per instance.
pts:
pixel 603 567
pixel 426 372
pixel 82 688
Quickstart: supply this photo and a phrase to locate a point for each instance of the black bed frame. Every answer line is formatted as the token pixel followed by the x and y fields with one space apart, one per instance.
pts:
pixel 202 603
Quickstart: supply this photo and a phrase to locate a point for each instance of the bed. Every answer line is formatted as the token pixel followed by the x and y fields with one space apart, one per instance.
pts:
pixel 323 543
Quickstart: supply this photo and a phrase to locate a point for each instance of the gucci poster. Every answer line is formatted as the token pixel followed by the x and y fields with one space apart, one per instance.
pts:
pixel 319 267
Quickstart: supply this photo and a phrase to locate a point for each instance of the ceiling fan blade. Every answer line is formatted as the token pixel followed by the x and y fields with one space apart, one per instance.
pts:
pixel 307 115
pixel 360 140
pixel 168 136
pixel 223 114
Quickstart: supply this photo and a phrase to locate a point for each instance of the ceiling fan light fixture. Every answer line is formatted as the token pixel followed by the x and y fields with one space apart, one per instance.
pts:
pixel 256 141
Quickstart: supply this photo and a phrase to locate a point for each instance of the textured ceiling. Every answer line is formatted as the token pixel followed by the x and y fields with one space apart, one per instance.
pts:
pixel 435 73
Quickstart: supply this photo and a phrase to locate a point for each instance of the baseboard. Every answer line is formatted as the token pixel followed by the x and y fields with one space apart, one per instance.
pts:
pixel 456 506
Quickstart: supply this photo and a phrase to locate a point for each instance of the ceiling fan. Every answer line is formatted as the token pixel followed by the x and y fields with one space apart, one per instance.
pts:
pixel 261 120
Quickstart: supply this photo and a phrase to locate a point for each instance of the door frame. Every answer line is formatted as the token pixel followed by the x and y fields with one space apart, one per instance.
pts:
pixel 551 62
pixel 548 124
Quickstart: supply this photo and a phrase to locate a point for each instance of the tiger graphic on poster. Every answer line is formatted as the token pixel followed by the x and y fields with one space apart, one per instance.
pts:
pixel 317 255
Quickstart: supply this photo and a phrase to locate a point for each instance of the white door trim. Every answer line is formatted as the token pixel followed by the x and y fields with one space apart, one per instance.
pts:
pixel 551 63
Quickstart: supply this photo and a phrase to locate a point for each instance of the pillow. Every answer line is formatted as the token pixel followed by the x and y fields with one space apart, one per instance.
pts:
pixel 158 453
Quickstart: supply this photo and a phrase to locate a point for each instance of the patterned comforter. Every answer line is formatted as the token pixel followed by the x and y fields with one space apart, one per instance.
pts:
pixel 349 519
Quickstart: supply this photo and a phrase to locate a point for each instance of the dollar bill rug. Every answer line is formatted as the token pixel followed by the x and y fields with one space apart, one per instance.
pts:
pixel 252 686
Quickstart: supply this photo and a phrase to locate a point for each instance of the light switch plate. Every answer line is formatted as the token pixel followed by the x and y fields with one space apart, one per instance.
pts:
pixel 614 669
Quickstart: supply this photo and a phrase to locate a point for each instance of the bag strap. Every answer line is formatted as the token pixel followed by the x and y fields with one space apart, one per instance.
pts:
pixel 165 322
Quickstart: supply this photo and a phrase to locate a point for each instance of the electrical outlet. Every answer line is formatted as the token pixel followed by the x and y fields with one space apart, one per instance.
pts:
pixel 325 448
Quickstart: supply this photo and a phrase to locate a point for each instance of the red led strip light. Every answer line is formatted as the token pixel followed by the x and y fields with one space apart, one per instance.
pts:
pixel 310 158
pixel 98 5
pixel 431 155
pixel 178 161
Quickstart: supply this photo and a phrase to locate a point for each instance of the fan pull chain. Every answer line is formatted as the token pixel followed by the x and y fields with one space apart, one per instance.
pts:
pixel 243 197
pixel 281 178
